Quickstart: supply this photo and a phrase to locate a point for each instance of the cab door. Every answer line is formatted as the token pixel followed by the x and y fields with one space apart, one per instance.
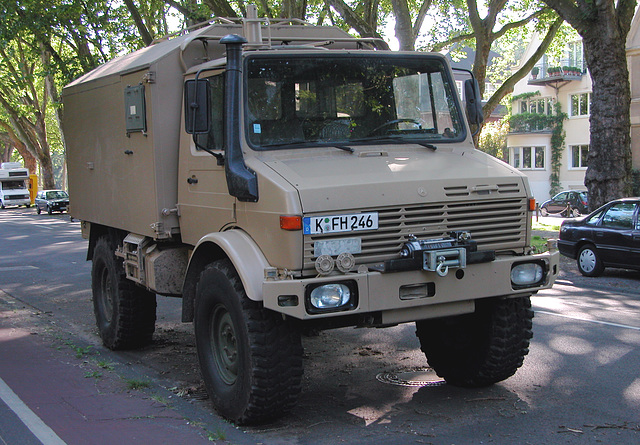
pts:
pixel 204 200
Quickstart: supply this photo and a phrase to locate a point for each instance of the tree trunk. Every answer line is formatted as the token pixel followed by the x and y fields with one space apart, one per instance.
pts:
pixel 603 26
pixel 609 164
pixel 403 28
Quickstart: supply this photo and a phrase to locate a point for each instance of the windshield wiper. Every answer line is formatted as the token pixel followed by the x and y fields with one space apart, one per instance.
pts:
pixel 396 139
pixel 303 144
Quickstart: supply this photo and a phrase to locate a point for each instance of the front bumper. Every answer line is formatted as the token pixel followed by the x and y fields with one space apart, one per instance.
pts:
pixel 59 206
pixel 399 297
pixel 10 201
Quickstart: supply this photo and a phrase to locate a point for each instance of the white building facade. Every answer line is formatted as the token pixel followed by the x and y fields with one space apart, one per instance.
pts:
pixel 564 82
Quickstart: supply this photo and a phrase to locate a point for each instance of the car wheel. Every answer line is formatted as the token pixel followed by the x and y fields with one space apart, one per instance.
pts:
pixel 589 263
pixel 482 348
pixel 49 211
pixel 544 211
pixel 125 313
pixel 38 209
pixel 575 213
pixel 250 358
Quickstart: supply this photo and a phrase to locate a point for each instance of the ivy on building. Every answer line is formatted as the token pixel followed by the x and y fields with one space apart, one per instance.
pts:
pixel 525 96
pixel 557 147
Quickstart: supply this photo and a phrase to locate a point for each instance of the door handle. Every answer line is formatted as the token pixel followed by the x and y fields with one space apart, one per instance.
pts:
pixel 192 180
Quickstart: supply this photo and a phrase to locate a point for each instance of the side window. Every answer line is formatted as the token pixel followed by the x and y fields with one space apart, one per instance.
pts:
pixel 619 216
pixel 213 140
pixel 561 197
pixel 593 219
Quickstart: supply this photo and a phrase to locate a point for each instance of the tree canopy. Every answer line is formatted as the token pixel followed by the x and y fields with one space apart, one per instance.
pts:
pixel 46 44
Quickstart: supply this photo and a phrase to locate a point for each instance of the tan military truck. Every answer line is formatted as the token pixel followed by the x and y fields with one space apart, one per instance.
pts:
pixel 279 176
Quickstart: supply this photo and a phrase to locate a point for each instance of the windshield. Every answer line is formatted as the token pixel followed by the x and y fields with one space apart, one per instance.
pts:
pixel 302 101
pixel 57 195
pixel 13 185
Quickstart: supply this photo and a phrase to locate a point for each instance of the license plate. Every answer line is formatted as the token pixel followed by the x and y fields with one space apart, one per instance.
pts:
pixel 313 225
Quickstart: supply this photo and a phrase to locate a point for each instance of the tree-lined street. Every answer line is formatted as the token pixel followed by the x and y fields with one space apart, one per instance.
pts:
pixel 579 383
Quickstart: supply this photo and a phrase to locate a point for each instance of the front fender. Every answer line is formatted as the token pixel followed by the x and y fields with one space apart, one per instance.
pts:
pixel 243 252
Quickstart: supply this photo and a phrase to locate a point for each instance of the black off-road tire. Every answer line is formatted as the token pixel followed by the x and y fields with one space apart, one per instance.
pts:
pixel 125 313
pixel 250 358
pixel 479 349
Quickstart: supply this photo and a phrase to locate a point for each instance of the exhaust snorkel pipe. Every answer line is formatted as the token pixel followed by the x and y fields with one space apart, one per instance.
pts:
pixel 241 180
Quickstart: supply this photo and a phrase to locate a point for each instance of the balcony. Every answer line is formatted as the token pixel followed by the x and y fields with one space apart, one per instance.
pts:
pixel 523 123
pixel 552 75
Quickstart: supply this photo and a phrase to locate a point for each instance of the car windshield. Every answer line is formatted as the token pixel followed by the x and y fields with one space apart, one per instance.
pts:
pixel 303 101
pixel 57 195
pixel 12 185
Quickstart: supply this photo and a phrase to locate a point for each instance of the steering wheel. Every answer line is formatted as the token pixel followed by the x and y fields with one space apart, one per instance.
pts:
pixel 393 122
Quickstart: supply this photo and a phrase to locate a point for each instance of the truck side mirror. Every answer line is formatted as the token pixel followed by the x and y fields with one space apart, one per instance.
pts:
pixel 473 101
pixel 197 104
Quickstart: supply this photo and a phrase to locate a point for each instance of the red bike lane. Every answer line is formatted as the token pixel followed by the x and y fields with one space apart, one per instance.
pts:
pixel 51 394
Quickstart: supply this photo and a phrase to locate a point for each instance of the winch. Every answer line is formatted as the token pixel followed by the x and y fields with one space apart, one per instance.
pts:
pixel 439 254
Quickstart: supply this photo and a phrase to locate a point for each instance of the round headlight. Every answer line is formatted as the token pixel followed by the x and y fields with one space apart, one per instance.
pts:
pixel 330 296
pixel 526 274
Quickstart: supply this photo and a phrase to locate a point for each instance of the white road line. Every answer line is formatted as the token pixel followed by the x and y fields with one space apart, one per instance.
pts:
pixel 617 325
pixel 39 429
pixel 12 268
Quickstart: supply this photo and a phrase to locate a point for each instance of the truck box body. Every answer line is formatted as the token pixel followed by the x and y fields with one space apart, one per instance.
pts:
pixel 128 177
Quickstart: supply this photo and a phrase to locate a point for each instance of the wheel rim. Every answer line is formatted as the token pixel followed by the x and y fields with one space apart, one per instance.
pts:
pixel 224 345
pixel 106 294
pixel 587 260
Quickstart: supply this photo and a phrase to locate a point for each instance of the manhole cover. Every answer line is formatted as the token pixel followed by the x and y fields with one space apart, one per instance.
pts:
pixel 411 377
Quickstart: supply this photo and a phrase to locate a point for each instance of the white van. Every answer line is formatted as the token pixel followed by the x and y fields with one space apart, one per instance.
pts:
pixel 14 185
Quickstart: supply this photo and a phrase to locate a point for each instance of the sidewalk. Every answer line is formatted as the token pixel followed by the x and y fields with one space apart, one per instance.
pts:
pixel 71 396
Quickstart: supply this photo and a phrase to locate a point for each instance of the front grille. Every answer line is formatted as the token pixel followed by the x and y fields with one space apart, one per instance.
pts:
pixel 494 225
pixel 11 197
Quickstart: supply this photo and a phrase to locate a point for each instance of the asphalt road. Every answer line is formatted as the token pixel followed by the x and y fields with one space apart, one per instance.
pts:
pixel 579 384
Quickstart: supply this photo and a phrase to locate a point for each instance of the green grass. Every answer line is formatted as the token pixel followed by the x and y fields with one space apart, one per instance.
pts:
pixel 133 384
pixel 539 243
pixel 546 227
pixel 93 375
pixel 105 365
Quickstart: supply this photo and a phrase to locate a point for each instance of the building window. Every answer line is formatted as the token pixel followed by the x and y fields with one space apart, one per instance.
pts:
pixel 580 104
pixel 579 155
pixel 543 105
pixel 527 158
pixel 576 55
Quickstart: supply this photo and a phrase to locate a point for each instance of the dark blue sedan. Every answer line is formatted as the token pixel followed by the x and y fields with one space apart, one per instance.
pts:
pixel 608 237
